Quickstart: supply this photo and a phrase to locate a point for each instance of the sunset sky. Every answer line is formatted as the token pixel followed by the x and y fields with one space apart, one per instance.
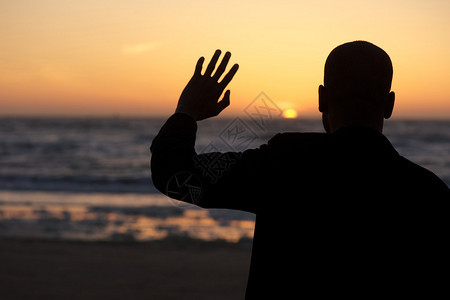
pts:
pixel 134 57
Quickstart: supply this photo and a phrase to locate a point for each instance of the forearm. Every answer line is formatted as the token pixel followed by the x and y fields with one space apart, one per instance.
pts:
pixel 172 149
pixel 217 180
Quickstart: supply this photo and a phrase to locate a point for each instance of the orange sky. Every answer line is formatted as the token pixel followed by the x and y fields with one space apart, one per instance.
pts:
pixel 107 57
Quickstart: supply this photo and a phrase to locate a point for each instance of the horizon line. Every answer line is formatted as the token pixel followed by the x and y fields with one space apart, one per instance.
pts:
pixel 161 116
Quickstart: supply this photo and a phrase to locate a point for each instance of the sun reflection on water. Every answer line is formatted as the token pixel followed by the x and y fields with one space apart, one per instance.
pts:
pixel 72 220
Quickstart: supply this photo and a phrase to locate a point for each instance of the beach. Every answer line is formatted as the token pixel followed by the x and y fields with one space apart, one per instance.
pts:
pixel 65 245
pixel 178 268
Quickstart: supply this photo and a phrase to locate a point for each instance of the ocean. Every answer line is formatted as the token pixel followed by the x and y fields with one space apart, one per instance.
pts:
pixel 89 178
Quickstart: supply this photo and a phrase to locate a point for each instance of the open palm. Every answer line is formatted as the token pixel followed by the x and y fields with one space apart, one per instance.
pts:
pixel 200 97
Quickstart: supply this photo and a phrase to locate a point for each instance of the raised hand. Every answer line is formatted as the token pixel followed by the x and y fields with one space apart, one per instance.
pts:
pixel 200 97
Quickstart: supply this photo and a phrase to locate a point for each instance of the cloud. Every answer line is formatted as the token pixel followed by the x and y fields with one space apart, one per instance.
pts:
pixel 139 48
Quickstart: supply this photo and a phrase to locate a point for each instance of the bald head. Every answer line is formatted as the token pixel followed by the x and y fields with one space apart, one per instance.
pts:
pixel 358 67
pixel 357 83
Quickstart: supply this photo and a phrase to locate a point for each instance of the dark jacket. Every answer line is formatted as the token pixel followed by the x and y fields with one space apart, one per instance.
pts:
pixel 336 214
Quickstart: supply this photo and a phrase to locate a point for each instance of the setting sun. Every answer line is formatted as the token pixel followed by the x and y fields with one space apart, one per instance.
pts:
pixel 290 114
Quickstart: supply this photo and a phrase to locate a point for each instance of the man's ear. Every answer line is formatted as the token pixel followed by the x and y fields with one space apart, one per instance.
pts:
pixel 389 105
pixel 323 104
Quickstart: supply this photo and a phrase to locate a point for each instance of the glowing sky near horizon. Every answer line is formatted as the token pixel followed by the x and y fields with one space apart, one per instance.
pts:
pixel 108 57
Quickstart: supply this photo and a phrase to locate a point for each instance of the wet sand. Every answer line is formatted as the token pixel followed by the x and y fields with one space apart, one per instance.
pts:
pixel 169 269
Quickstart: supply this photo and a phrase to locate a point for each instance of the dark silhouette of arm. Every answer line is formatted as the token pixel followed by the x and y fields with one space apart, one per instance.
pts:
pixel 222 180
pixel 211 180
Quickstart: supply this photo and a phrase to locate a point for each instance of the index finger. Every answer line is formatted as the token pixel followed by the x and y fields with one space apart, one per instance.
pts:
pixel 226 80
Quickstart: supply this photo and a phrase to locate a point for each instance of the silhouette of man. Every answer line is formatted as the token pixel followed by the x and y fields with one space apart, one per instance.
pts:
pixel 338 213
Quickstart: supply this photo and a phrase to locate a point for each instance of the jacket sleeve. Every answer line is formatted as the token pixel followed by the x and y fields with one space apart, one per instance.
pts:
pixel 232 180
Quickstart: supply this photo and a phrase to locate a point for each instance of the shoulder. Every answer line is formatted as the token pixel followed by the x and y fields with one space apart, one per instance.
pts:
pixel 422 177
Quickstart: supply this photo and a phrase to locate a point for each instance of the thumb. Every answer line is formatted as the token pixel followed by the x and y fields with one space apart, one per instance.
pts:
pixel 224 102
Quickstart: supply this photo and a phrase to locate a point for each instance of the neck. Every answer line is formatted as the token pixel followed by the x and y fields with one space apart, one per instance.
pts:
pixel 335 124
